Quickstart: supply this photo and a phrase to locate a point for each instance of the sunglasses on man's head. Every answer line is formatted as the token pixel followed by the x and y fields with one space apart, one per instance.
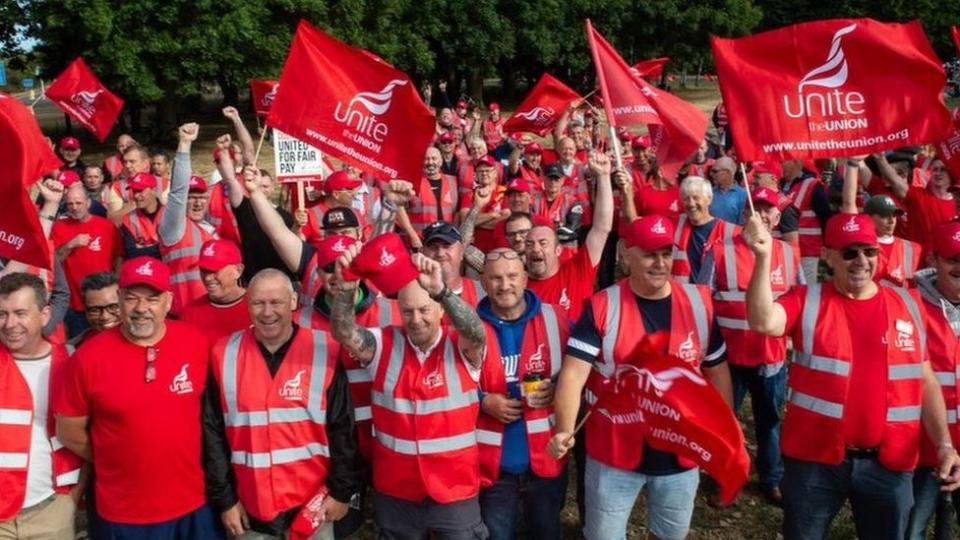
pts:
pixel 850 254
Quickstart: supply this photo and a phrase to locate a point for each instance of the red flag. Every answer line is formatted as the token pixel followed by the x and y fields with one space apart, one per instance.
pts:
pixel 542 107
pixel 351 106
pixel 682 413
pixel 79 93
pixel 955 33
pixel 948 150
pixel 26 156
pixel 676 127
pixel 823 96
pixel 262 93
pixel 651 69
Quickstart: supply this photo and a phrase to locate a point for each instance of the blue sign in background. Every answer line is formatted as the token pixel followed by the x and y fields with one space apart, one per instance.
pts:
pixel 3 74
pixel 27 83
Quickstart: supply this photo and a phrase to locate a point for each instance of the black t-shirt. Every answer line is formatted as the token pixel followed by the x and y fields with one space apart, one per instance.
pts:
pixel 258 252
pixel 656 317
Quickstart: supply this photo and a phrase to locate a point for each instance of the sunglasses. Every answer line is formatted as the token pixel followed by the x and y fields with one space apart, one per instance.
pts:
pixel 507 254
pixel 150 373
pixel 850 254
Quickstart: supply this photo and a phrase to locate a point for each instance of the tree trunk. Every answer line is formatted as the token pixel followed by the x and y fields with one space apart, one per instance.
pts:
pixel 230 91
pixel 475 84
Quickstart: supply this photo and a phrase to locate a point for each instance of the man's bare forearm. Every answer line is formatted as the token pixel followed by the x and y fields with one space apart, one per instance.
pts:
pixel 469 224
pixel 385 221
pixel 343 326
pixel 464 318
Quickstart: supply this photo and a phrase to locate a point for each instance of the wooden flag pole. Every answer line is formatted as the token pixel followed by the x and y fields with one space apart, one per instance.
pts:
pixel 259 145
pixel 746 186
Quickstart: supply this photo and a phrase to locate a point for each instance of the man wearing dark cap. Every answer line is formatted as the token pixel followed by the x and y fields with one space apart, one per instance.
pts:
pixel 861 389
pixel 341 221
pixel 70 152
pixel 223 310
pixel 339 189
pixel 756 360
pixel 619 462
pixel 557 203
pixel 443 243
pixel 899 258
pixel 135 390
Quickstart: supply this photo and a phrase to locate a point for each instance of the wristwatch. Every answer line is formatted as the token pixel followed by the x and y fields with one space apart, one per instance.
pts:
pixel 442 294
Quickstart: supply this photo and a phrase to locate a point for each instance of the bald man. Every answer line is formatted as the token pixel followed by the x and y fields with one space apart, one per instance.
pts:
pixel 729 197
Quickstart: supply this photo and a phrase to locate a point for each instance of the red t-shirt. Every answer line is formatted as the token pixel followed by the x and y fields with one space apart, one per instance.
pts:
pixel 664 202
pixel 864 411
pixel 570 286
pixel 485 239
pixel 146 437
pixel 96 256
pixel 925 211
pixel 217 320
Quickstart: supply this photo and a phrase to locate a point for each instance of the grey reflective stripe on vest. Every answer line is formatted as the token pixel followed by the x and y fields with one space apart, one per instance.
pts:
pixel 788 263
pixel 802 195
pixel 909 413
pixel 491 438
pixel 825 364
pixel 699 316
pixel 952 416
pixel 313 275
pixel 305 316
pixel 481 292
pixel 439 445
pixel 612 325
pixel 14 460
pixel 274 415
pixel 907 259
pixel 915 315
pixel 359 375
pixel 815 404
pixel 809 231
pixel 902 372
pixel 192 250
pixel 732 324
pixel 808 321
pixel 731 296
pixel 456 398
pixel 261 460
pixel 181 277
pixel 553 338
pixel 945 378
pixel 540 425
pixel 804 356
pixel 386 314
pixel 16 417
pixel 730 259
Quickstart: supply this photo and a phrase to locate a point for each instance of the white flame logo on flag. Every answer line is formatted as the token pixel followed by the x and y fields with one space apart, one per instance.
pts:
pixel 368 125
pixel 661 381
pixel 386 258
pixel 540 116
pixel 267 99
pixel 85 101
pixel 836 63
pixel 377 102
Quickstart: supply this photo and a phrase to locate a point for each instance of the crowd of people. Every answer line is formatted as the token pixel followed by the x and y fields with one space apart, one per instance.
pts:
pixel 205 358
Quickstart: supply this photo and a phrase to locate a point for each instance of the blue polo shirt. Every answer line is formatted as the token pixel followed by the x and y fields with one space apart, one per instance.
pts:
pixel 728 205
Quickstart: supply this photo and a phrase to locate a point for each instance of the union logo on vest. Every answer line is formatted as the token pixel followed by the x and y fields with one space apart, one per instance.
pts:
pixel 687 351
pixel 905 340
pixel 292 389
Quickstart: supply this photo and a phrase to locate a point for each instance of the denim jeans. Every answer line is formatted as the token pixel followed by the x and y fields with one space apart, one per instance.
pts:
pixel 611 494
pixel 929 500
pixel 541 500
pixel 814 492
pixel 766 397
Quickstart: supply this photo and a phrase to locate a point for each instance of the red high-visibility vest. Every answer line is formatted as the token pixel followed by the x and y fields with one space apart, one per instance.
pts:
pixel 425 419
pixel 943 347
pixel 534 178
pixel 733 263
pixel 556 211
pixel 183 258
pixel 491 133
pixel 113 165
pixel 142 228
pixel 16 428
pixel 897 266
pixel 681 238
pixel 381 313
pixel 820 379
pixel 423 208
pixel 220 214
pixel 465 176
pixel 541 352
pixel 618 442
pixel 809 230
pixel 276 426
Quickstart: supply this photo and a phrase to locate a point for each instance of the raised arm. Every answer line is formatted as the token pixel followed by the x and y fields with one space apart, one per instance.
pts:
pixel 243 135
pixel 228 171
pixel 628 206
pixel 52 193
pixel 286 242
pixel 473 256
pixel 851 184
pixel 899 185
pixel 358 341
pixel 603 207
pixel 174 220
pixel 396 194
pixel 763 314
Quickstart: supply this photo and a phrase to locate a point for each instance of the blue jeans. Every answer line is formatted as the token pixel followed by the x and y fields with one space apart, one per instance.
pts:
pixel 766 397
pixel 542 500
pixel 611 493
pixel 928 500
pixel 201 524
pixel 814 492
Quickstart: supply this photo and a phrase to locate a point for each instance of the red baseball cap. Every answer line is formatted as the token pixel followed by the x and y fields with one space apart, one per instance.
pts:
pixel 68 177
pixel 543 221
pixel 519 184
pixel 340 180
pixel 386 263
pixel 650 233
pixel 627 136
pixel 147 271
pixel 69 143
pixel 446 136
pixel 197 183
pixel 216 254
pixel 486 160
pixel 142 181
pixel 462 104
pixel 946 240
pixel 533 148
pixel 768 167
pixel 765 195
pixel 845 230
pixel 494 107
pixel 332 247
pixel 640 141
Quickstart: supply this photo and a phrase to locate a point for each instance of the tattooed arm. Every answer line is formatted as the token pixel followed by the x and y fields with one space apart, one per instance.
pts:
pixel 358 341
pixel 471 254
pixel 395 194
